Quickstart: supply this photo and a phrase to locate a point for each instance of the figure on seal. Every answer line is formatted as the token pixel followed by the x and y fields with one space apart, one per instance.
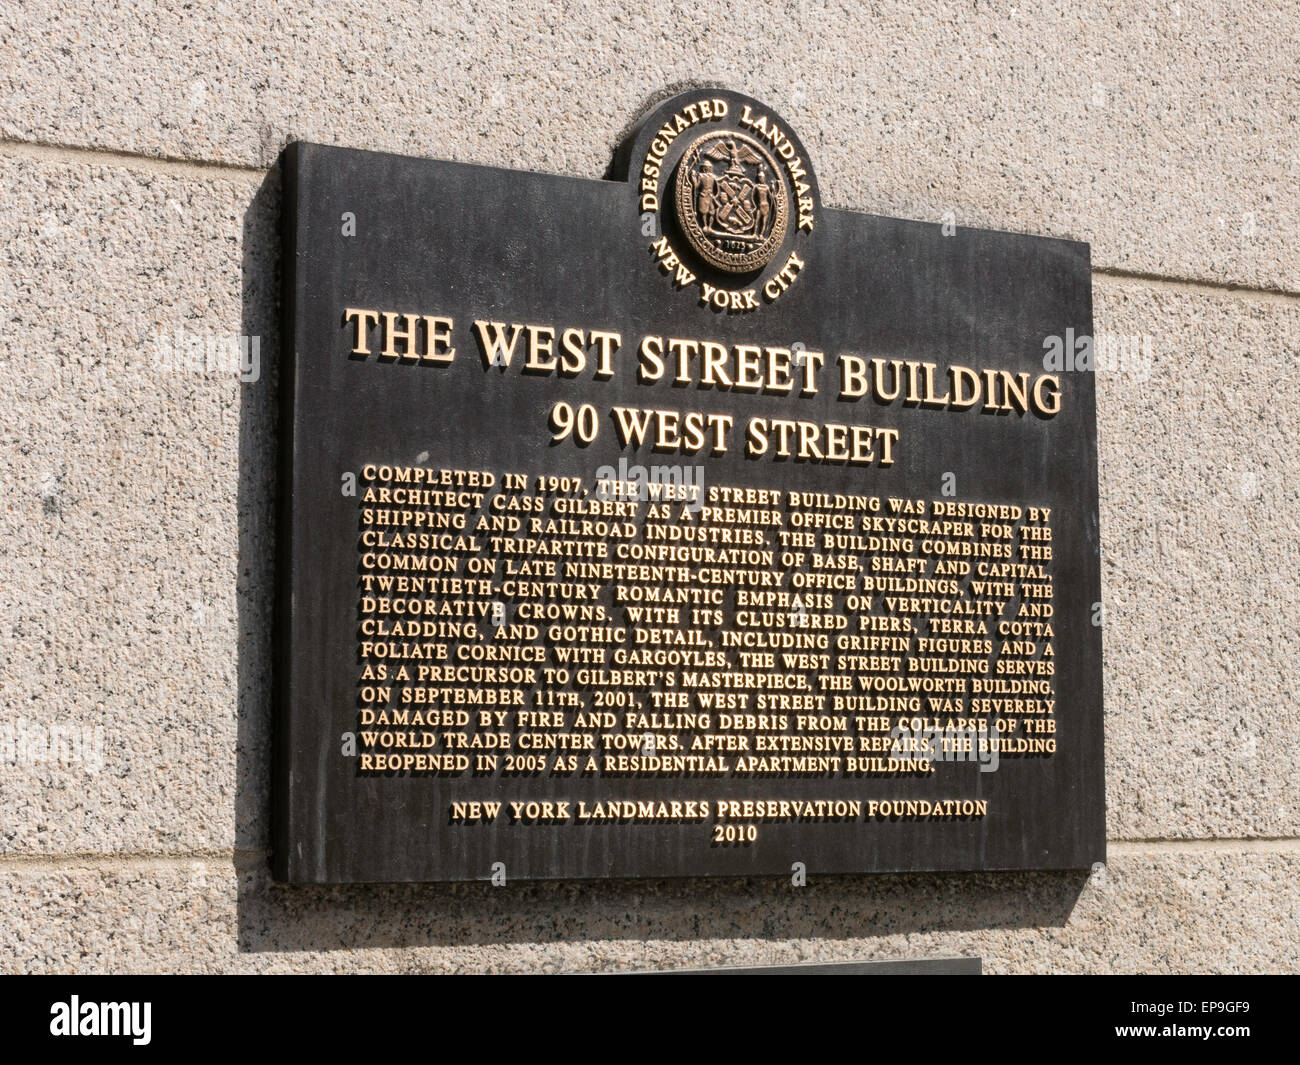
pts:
pixel 762 202
pixel 706 193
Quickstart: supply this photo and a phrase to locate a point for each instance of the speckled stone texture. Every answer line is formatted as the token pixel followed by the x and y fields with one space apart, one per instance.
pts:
pixel 1200 524
pixel 1165 134
pixel 1192 910
pixel 137 542
pixel 137 522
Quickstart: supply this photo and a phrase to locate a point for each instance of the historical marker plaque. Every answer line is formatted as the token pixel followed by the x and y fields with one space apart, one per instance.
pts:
pixel 677 524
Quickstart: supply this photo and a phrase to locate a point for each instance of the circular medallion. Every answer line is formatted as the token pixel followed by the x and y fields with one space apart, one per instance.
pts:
pixel 733 201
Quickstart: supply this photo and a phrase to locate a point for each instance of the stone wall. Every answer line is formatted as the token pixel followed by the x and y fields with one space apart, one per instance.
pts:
pixel 139 207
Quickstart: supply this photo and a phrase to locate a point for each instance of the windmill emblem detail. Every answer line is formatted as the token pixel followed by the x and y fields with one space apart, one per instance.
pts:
pixel 732 201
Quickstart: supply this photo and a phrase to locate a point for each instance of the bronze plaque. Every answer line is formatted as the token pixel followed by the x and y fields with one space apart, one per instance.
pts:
pixel 677 524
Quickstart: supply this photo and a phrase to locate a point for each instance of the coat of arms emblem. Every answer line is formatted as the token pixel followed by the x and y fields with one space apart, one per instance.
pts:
pixel 733 201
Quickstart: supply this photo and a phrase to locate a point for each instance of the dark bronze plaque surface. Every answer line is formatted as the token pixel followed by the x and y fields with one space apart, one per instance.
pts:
pixel 632 712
